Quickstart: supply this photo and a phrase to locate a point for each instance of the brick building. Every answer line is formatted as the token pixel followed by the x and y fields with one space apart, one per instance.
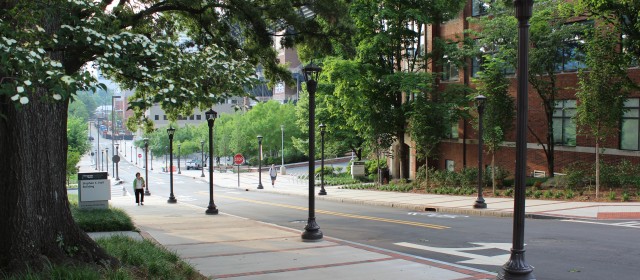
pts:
pixel 461 149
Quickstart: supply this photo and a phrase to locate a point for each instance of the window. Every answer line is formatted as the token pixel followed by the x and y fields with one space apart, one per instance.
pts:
pixel 629 138
pixel 564 128
pixel 453 134
pixel 164 117
pixel 572 54
pixel 491 50
pixel 157 117
pixel 479 7
pixel 198 117
pixel 191 117
pixel 450 165
pixel 450 71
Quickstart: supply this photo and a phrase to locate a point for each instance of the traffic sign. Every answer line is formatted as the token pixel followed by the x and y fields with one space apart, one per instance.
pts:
pixel 238 159
pixel 116 158
pixel 139 155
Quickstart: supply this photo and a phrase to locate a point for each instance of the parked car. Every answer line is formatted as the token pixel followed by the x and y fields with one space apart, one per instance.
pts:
pixel 194 164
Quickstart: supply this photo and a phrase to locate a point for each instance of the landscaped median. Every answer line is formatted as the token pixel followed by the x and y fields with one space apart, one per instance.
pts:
pixel 139 259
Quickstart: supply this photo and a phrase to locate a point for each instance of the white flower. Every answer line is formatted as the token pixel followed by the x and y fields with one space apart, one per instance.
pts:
pixel 20 89
pixel 67 79
pixel 24 100
pixel 15 97
pixel 27 82
pixel 173 100
pixel 57 96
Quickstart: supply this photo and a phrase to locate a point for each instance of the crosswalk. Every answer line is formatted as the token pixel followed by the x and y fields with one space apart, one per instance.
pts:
pixel 628 224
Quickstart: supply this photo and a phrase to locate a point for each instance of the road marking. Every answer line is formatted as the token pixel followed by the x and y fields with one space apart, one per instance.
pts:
pixel 631 224
pixel 436 215
pixel 432 226
pixel 472 258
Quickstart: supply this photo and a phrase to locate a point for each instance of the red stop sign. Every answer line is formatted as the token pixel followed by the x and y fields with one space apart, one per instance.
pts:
pixel 238 159
pixel 139 155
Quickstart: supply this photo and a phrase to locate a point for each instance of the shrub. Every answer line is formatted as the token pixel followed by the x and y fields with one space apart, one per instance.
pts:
pixel 578 174
pixel 371 166
pixel 508 192
pixel 537 194
pixel 612 195
pixel 569 194
pixel 625 196
pixel 328 170
pixel 559 194
pixel 548 194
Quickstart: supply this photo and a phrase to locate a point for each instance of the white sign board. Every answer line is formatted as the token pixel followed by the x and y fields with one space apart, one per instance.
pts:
pixel 94 190
pixel 357 169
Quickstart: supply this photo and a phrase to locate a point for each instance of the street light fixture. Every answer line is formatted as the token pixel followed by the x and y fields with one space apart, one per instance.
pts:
pixel 146 171
pixel 322 190
pixel 171 131
pixel 136 155
pixel 202 157
pixel 179 149
pixel 116 159
pixel 312 230
pixel 283 170
pixel 480 101
pixel 517 267
pixel 113 131
pixel 260 162
pixel 211 116
pixel 151 160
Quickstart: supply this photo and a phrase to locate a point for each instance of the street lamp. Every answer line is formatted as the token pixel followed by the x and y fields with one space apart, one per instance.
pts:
pixel 106 153
pixel 322 191
pixel 113 131
pixel 151 161
pixel 312 230
pixel 179 149
pixel 136 155
pixel 516 267
pixel 283 170
pixel 146 171
pixel 202 157
pixel 171 131
pixel 211 116
pixel 97 159
pixel 166 149
pixel 480 100
pixel 116 159
pixel 260 162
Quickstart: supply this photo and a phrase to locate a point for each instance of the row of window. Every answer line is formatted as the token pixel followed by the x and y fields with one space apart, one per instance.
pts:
pixel 181 118
pixel 564 127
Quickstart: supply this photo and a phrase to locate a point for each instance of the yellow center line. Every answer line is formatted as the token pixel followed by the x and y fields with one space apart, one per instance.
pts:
pixel 393 221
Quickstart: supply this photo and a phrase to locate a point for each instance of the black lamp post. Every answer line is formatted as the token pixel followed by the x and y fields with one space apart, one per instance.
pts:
pixel 312 230
pixel 97 159
pixel 106 153
pixel 136 155
pixel 202 157
pixel 480 100
pixel 517 267
pixel 171 131
pixel 146 171
pixel 179 149
pixel 116 162
pixel 151 161
pixel 166 149
pixel 322 190
pixel 211 116
pixel 260 162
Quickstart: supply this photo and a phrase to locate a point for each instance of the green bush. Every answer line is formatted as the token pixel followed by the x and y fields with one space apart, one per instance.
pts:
pixel 537 194
pixel 612 195
pixel 371 166
pixel 569 194
pixel 111 219
pixel 531 181
pixel 508 192
pixel 328 170
pixel 548 194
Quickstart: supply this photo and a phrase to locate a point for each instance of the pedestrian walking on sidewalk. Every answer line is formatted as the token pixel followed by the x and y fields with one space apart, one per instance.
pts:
pixel 273 173
pixel 138 189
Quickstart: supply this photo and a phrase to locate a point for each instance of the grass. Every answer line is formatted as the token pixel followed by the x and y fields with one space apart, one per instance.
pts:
pixel 111 219
pixel 139 259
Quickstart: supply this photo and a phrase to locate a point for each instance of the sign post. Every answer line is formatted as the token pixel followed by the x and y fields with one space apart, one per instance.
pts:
pixel 94 190
pixel 238 159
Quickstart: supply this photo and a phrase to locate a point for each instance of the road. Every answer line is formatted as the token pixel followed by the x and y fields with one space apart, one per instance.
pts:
pixel 558 249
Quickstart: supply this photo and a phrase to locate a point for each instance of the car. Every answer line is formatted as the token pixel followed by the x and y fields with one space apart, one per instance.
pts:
pixel 194 164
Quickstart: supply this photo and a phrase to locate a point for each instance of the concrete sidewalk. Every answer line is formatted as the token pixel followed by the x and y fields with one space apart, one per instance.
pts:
pixel 229 247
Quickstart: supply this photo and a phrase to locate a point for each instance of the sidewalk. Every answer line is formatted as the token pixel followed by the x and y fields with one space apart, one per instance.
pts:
pixel 229 247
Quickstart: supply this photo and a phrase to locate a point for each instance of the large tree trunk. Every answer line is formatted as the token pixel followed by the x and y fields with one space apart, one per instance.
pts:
pixel 36 225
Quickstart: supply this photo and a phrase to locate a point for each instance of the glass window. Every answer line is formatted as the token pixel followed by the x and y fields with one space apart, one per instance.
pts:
pixel 571 54
pixel 564 128
pixel 450 72
pixel 454 131
pixel 479 7
pixel 164 117
pixel 191 117
pixel 450 164
pixel 629 136
pixel 198 117
pixel 157 117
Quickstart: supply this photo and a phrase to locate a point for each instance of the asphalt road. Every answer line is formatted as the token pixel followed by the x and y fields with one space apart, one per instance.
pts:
pixel 558 249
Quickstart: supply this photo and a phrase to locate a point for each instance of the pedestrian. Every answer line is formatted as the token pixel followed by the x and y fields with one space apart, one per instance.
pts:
pixel 138 188
pixel 273 173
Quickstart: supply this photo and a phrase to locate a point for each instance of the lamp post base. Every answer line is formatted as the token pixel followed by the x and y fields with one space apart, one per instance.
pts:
pixel 211 209
pixel 516 268
pixel 172 199
pixel 260 186
pixel 322 192
pixel 312 231
pixel 480 205
pixel 202 175
pixel 146 192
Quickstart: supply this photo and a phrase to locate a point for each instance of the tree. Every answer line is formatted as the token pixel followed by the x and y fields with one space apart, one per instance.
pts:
pixel 603 89
pixel 46 50
pixel 499 112
pixel 553 41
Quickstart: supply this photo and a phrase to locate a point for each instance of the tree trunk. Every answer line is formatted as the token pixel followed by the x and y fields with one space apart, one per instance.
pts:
pixel 493 171
pixel 597 169
pixel 36 225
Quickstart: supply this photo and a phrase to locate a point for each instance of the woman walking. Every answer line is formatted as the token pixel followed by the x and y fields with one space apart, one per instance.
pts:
pixel 273 173
pixel 138 189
